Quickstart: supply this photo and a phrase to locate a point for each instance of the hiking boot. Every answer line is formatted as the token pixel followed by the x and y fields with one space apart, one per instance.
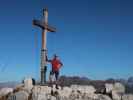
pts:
pixel 52 92
pixel 56 86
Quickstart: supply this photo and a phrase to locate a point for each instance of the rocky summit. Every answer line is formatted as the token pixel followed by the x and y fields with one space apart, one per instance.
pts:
pixel 28 91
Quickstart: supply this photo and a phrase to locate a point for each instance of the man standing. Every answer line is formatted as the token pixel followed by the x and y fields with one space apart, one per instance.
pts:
pixel 56 65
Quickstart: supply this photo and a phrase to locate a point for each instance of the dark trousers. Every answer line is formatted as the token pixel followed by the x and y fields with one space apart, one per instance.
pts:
pixel 56 73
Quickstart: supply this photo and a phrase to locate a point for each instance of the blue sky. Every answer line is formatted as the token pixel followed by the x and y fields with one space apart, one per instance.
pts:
pixel 93 38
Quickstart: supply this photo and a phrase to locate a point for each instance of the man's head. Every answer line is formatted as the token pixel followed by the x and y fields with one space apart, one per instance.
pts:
pixel 55 56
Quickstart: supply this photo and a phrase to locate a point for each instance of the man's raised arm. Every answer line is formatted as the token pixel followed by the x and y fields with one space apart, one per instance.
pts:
pixel 48 60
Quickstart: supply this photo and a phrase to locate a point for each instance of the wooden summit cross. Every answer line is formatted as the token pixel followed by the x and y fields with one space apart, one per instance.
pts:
pixel 43 24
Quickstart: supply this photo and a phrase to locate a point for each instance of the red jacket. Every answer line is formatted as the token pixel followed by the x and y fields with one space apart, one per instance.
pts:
pixel 56 64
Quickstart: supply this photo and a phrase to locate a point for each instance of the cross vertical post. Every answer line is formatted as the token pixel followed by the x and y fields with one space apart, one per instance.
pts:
pixel 43 24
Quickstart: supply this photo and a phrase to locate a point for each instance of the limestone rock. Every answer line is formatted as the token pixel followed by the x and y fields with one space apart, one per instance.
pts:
pixel 103 97
pixel 91 96
pixel 41 89
pixel 119 88
pixel 116 96
pixel 65 92
pixel 41 96
pixel 41 92
pixel 74 92
pixel 83 89
pixel 53 98
pixel 21 95
pixel 109 87
pixel 5 91
pixel 28 84
pixel 127 97
pixel 89 89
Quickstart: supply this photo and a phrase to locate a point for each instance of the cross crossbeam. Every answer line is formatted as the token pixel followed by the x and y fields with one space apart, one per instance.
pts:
pixel 43 25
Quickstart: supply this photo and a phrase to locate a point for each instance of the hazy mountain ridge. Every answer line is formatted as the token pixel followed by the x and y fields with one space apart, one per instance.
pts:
pixel 10 84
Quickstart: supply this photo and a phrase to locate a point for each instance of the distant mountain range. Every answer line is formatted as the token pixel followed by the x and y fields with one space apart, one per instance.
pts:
pixel 8 84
